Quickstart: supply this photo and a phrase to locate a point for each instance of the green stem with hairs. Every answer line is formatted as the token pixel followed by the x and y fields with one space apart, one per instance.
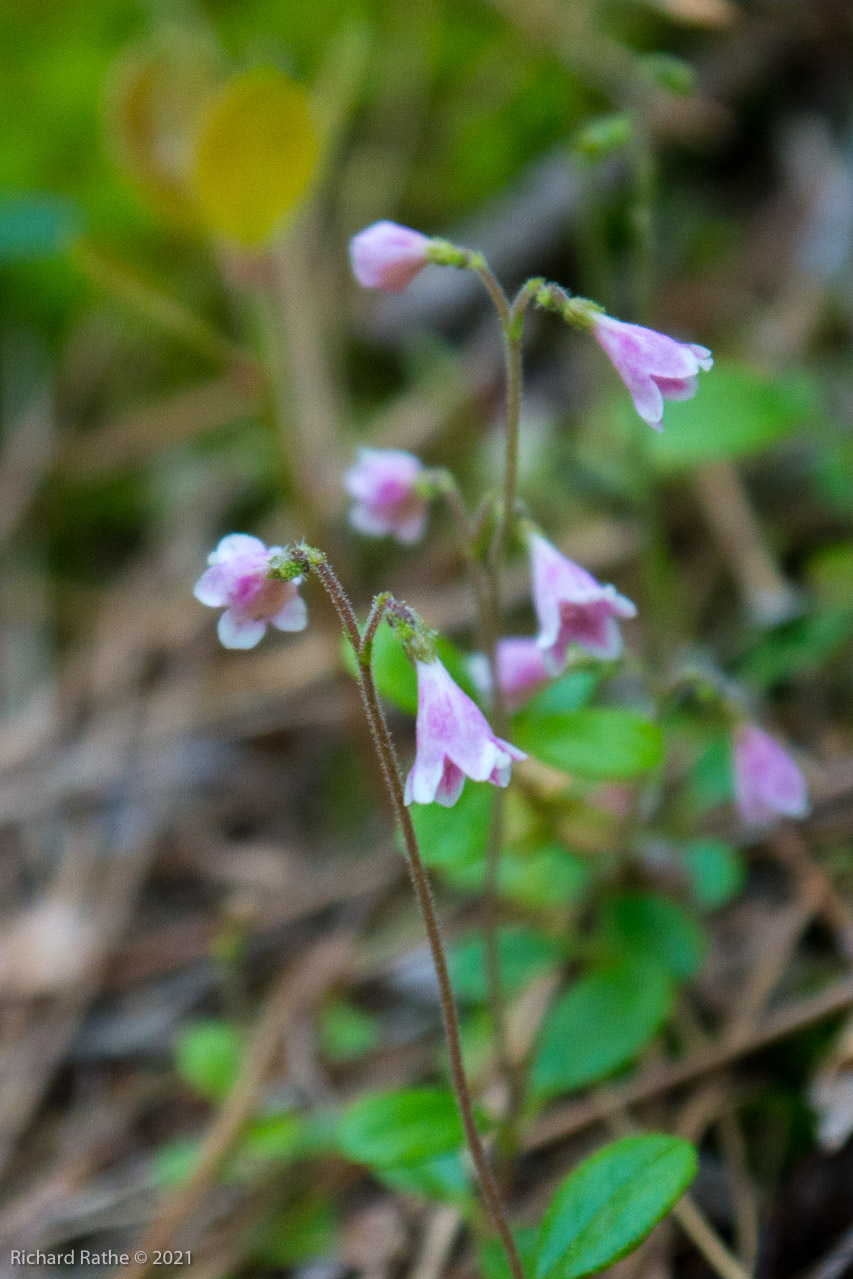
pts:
pixel 386 752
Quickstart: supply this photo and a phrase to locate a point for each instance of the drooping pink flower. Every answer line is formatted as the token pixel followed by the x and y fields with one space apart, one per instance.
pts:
pixel 237 581
pixel 572 607
pixel 654 367
pixel 383 484
pixel 454 741
pixel 521 666
pixel 768 782
pixel 387 256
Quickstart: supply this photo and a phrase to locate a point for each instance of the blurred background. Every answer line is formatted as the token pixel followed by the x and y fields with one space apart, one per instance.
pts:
pixel 200 880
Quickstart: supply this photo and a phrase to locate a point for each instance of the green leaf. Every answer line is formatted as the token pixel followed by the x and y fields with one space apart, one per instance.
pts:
pixel 35 227
pixel 600 1024
pixel 523 955
pixel 542 878
pixel 303 1231
pixel 656 928
pixel 176 1161
pixel 276 1138
pixel 571 692
pixel 208 1055
pixel 256 154
pixel 545 877
pixel 347 1031
pixel 455 839
pixel 401 1128
pixel 736 412
pixel 492 1258
pixel 716 871
pixel 599 743
pixel 799 647
pixel 830 573
pixel 711 780
pixel 444 1178
pixel 611 1201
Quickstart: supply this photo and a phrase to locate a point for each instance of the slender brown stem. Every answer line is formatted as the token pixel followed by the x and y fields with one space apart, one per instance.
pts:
pixel 391 771
pixel 511 317
pixel 487 623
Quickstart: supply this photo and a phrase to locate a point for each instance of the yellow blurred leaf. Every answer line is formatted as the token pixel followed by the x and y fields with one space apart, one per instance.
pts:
pixel 256 154
pixel 157 91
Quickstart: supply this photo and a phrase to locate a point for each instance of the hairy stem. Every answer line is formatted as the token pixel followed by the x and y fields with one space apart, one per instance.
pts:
pixel 511 317
pixel 391 772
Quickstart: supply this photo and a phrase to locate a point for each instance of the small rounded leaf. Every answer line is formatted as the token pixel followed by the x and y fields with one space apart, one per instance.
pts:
pixel 658 929
pixel 607 743
pixel 208 1056
pixel 611 1201
pixel 600 1024
pixel 256 154
pixel 401 1128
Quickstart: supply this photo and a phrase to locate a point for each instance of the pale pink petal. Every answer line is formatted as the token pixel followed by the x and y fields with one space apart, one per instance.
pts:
pixel 237 544
pixel 212 587
pixel 450 786
pixel 704 358
pixel 365 519
pixel 768 782
pixel 411 530
pixel 235 630
pixel 647 397
pixel 293 617
pixel 675 389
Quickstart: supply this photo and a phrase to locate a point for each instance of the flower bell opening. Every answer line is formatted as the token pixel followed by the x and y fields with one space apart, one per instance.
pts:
pixel 654 367
pixel 573 607
pixel 454 741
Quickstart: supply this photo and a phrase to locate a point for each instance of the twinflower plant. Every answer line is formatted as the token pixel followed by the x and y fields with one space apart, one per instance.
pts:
pixel 460 744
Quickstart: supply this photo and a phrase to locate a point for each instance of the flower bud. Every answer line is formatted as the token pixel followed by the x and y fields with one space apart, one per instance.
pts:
pixel 388 256
pixel 768 782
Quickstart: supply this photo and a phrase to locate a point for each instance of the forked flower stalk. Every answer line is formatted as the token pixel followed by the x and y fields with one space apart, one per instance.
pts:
pixel 308 560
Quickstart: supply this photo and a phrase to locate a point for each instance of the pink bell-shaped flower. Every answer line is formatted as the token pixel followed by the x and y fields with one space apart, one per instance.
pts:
pixel 768 782
pixel 654 367
pixel 521 667
pixel 386 497
pixel 237 581
pixel 454 741
pixel 572 607
pixel 388 256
